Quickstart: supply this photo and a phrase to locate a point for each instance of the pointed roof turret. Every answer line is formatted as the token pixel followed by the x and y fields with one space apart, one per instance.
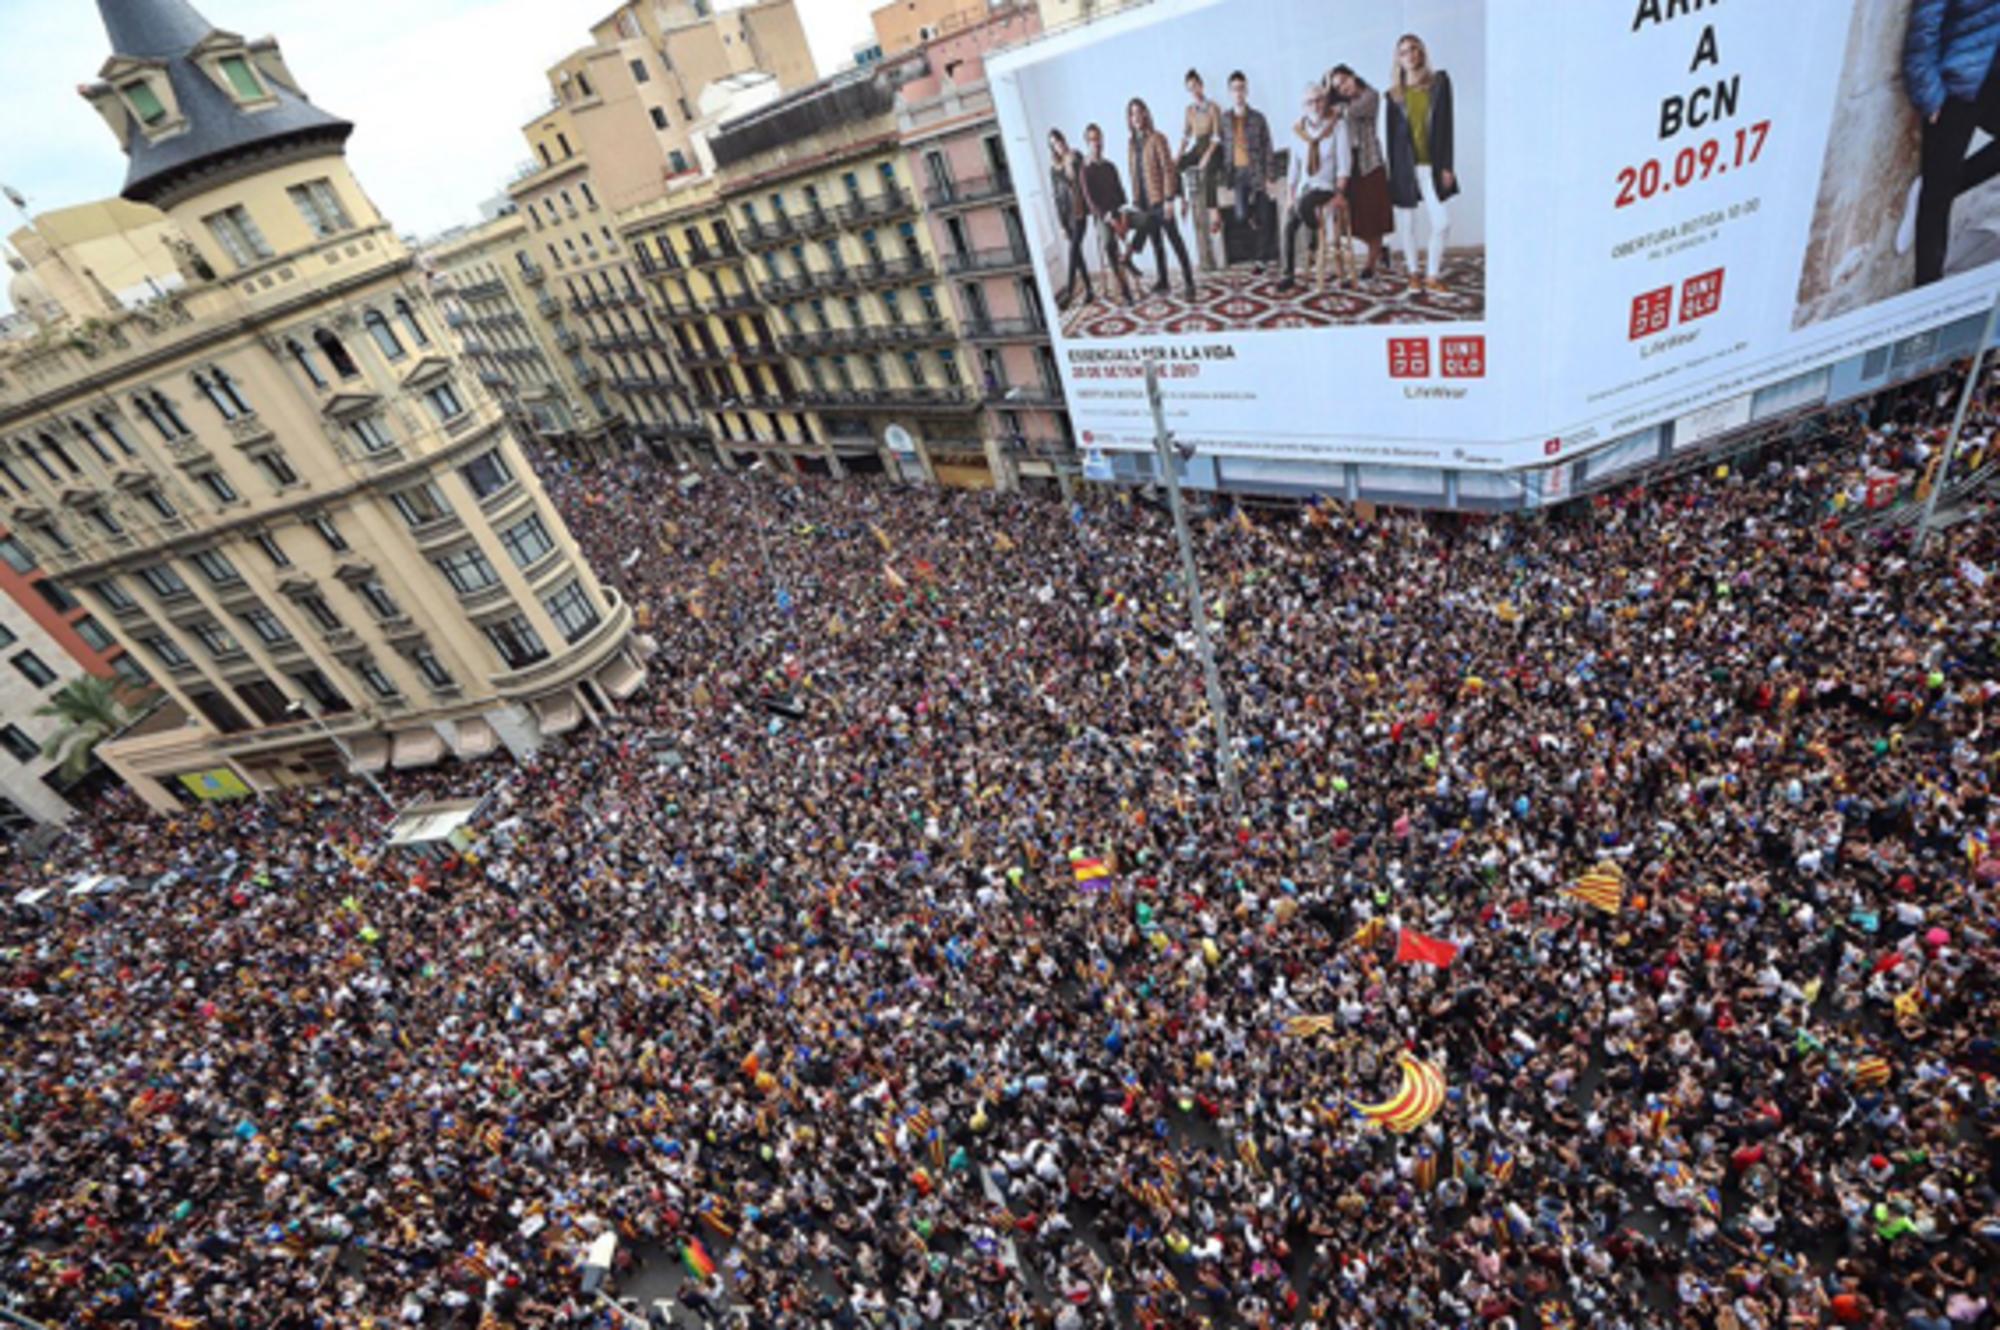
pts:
pixel 218 130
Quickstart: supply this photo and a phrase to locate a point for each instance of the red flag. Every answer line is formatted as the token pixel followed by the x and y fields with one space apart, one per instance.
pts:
pixel 1888 962
pixel 1414 948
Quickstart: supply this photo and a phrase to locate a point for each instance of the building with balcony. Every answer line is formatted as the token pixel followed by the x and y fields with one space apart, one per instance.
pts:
pixel 490 288
pixel 830 232
pixel 946 121
pixel 283 487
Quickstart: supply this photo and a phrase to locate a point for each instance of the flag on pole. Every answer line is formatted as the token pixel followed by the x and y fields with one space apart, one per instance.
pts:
pixel 1414 948
pixel 1370 933
pixel 1602 888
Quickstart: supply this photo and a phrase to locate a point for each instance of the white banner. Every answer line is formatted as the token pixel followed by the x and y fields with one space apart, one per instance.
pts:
pixel 1517 228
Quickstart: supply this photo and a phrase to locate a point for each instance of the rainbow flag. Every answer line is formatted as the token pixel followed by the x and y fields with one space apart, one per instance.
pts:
pixel 1090 870
pixel 699 1263
pixel 1602 888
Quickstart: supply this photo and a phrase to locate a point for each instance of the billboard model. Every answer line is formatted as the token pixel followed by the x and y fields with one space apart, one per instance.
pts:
pixel 1487 234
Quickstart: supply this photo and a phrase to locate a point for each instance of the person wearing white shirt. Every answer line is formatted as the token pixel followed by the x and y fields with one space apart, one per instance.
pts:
pixel 1322 159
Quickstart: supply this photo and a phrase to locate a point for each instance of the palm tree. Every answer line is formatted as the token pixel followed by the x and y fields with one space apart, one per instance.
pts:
pixel 91 710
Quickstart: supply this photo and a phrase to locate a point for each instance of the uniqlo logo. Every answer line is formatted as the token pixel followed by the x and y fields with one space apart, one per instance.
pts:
pixel 1651 313
pixel 1462 357
pixel 1409 357
pixel 1701 295
pixel 1552 447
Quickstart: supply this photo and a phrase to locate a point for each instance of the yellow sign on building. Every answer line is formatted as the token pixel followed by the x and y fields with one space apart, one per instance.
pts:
pixel 220 783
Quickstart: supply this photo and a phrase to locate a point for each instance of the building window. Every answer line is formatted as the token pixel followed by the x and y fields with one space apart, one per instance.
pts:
pixel 385 337
pixel 572 611
pixel 639 74
pixel 378 683
pixel 53 534
pixel 131 671
pixel 527 541
pixel 16 742
pixel 517 642
pixel 371 434
pixel 411 325
pixel 272 549
pixel 242 81
pixel 677 161
pixel 222 404
pixel 320 612
pixel 218 487
pixel 303 359
pixel 145 102
pixel 7 637
pixel 102 519
pixel 330 533
pixel 216 640
pixel 159 504
pixel 428 665
pixel 589 196
pixel 320 206
pixel 114 595
pixel 158 412
pixel 270 630
pixel 33 669
pixel 276 469
pixel 89 436
pixel 16 555
pixel 336 355
pixel 659 117
pixel 467 570
pixel 444 403
pixel 109 424
pixel 421 504
pixel 487 474
pixel 380 603
pixel 220 712
pixel 59 600
pixel 163 581
pixel 167 651
pixel 321 690
pixel 216 567
pixel 234 230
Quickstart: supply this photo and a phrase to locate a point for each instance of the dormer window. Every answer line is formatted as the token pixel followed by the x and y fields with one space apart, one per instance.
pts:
pixel 145 103
pixel 243 80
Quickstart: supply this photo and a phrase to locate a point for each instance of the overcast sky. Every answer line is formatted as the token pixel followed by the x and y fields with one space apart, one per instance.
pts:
pixel 437 89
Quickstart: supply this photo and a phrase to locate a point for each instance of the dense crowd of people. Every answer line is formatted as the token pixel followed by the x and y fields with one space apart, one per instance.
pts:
pixel 786 974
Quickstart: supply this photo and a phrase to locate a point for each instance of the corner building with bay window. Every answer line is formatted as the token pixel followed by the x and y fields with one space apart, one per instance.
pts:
pixel 280 486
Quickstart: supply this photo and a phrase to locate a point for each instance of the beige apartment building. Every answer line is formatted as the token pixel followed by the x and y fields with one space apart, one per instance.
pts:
pixel 282 485
pixel 490 290
pixel 905 25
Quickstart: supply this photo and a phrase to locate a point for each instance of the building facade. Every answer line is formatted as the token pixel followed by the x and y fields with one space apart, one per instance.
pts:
pixel 283 486
pixel 489 286
pixel 947 124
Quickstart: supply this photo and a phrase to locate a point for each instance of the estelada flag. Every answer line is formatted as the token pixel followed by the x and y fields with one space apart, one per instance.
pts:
pixel 1415 948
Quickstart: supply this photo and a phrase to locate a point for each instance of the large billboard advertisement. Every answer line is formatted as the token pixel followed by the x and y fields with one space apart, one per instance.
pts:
pixel 1485 234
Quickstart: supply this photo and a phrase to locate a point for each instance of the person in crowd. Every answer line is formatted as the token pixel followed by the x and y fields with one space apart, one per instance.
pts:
pixel 893 959
pixel 1421 174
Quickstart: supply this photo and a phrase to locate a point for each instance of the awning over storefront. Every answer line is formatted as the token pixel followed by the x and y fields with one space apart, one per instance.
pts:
pixel 371 753
pixel 621 678
pixel 558 713
pixel 418 748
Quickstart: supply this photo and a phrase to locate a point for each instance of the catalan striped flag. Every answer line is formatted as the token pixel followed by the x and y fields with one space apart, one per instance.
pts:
pixel 1091 874
pixel 1602 888
pixel 493 1138
pixel 1870 1073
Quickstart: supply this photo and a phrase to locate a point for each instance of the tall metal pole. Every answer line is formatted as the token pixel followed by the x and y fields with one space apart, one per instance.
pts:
pixel 346 755
pixel 1965 391
pixel 1218 705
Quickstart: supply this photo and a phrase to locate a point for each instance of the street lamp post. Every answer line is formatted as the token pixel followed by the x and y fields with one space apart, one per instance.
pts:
pixel 1218 705
pixel 302 708
pixel 1943 477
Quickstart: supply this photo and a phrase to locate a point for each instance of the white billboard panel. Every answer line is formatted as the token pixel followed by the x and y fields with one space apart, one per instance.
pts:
pixel 1486 234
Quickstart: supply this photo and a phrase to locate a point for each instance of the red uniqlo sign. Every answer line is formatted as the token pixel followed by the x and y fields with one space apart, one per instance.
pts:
pixel 1701 295
pixel 1651 313
pixel 1409 357
pixel 1462 357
